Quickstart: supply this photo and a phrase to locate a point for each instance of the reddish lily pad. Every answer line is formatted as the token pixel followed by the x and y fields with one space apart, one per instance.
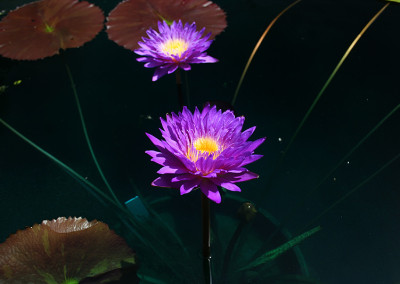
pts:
pixel 59 250
pixel 40 29
pixel 129 21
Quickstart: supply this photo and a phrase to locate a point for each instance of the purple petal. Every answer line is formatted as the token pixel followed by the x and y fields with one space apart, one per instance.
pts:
pixel 152 64
pixel 182 177
pixel 226 183
pixel 186 166
pixel 243 176
pixel 211 191
pixel 230 186
pixel 255 144
pixel 188 186
pixel 154 55
pixel 185 66
pixel 152 153
pixel 156 142
pixel 204 59
pixel 251 159
pixel 159 160
pixel 158 73
pixel 170 170
pixel 163 181
pixel 172 69
pixel 247 133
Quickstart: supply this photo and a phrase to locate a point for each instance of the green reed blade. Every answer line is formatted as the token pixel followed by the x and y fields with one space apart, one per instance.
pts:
pixel 352 150
pixel 354 189
pixel 128 220
pixel 349 49
pixel 257 47
pixel 271 255
pixel 61 164
pixel 87 136
pixel 318 186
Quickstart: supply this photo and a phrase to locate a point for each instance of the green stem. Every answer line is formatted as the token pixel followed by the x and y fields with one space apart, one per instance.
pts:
pixel 256 49
pixel 87 137
pixel 179 88
pixel 349 49
pixel 187 90
pixel 205 206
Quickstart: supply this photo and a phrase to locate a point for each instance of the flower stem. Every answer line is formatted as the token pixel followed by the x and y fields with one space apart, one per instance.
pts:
pixel 179 87
pixel 205 206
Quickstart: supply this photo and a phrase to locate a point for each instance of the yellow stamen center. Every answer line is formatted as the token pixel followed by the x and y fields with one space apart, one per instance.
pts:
pixel 174 46
pixel 203 147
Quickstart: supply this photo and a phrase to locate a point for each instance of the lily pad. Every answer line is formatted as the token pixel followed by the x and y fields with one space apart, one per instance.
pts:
pixel 62 251
pixel 129 21
pixel 40 29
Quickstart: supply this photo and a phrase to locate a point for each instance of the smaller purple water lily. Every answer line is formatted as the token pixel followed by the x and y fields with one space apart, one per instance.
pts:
pixel 204 150
pixel 174 47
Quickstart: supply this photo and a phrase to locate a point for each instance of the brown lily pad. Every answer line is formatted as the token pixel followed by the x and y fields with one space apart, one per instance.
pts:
pixel 129 21
pixel 40 29
pixel 61 249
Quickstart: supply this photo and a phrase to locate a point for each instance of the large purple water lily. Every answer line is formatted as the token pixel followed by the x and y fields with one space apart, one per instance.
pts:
pixel 173 47
pixel 204 150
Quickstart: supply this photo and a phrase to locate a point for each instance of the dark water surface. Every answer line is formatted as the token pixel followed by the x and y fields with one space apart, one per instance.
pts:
pixel 360 237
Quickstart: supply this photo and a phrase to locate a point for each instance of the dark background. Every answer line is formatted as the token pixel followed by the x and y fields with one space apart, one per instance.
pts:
pixel 360 239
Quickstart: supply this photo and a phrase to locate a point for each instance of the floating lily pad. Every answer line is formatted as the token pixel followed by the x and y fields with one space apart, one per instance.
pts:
pixel 40 29
pixel 129 21
pixel 62 250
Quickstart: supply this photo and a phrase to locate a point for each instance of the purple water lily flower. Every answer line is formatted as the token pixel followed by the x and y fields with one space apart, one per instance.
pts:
pixel 205 149
pixel 172 47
